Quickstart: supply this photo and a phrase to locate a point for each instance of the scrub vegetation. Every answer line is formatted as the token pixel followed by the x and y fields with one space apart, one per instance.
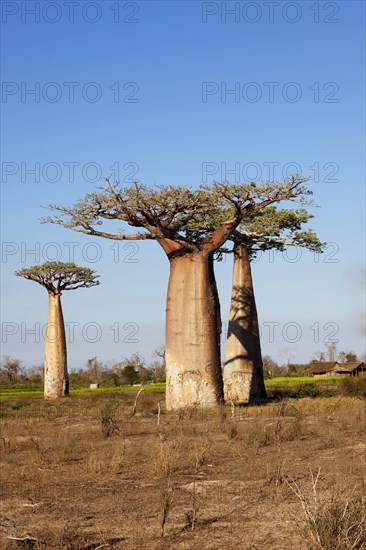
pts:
pixel 100 470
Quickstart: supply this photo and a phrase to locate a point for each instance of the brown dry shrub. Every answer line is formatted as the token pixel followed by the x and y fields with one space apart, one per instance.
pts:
pixel 330 521
pixel 147 405
pixel 280 430
pixel 179 455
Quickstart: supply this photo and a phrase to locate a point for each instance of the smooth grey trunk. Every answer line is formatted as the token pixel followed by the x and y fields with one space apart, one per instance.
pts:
pixel 193 367
pixel 56 380
pixel 243 367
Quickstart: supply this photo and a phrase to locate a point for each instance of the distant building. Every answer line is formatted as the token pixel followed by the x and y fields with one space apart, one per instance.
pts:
pixel 352 369
pixel 333 368
pixel 322 368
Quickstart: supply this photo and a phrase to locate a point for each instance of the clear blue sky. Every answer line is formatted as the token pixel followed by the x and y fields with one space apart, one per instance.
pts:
pixel 144 88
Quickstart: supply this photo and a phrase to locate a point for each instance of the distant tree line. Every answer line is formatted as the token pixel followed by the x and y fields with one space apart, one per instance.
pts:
pixel 128 371
pixel 134 370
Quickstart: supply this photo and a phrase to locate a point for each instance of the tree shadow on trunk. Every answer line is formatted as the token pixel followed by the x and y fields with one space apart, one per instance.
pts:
pixel 244 328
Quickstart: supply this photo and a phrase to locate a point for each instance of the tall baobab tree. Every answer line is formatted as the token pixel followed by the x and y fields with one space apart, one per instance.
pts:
pixel 57 277
pixel 265 230
pixel 193 363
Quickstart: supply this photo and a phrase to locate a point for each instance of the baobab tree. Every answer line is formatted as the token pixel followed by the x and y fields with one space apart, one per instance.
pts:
pixel 57 277
pixel 267 229
pixel 193 362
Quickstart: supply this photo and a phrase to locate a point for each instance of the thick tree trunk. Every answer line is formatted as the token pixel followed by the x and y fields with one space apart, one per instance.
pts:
pixel 56 380
pixel 193 367
pixel 243 368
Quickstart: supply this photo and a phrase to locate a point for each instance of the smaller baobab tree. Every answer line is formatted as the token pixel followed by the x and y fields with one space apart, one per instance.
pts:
pixel 264 230
pixel 57 277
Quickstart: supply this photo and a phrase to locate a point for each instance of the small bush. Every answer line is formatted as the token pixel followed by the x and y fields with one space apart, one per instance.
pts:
pixel 282 430
pixel 108 422
pixel 335 521
pixel 233 432
pixel 309 390
pixel 339 524
pixel 166 458
pixel 353 386
pixel 147 405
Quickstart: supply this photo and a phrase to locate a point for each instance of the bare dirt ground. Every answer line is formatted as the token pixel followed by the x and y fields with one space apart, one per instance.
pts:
pixel 82 473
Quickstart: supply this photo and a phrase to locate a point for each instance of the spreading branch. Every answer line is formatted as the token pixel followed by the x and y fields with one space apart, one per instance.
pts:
pixel 177 217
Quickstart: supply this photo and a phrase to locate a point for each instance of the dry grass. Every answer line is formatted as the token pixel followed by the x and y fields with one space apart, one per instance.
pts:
pixel 85 473
pixel 331 521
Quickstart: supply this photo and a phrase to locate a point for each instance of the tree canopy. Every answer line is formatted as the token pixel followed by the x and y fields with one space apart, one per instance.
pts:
pixel 194 219
pixel 58 276
pixel 273 228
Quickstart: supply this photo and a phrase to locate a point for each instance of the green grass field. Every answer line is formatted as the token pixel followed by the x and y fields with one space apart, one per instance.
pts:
pixel 301 380
pixel 26 390
pixel 280 382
